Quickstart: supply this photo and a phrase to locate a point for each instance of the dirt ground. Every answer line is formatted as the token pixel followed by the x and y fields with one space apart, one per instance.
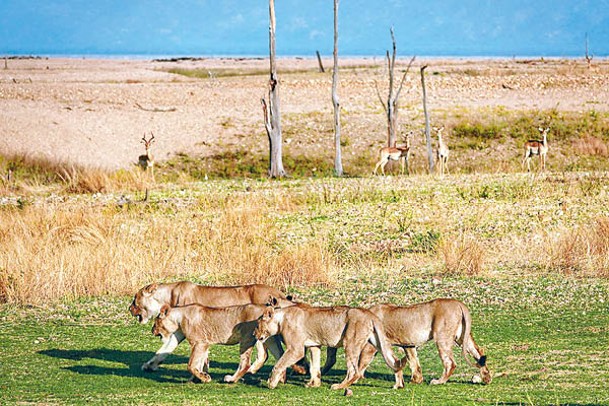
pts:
pixel 94 112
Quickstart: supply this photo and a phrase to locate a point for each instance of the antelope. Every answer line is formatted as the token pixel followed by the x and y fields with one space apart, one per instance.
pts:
pixel 146 161
pixel 442 152
pixel 536 147
pixel 394 153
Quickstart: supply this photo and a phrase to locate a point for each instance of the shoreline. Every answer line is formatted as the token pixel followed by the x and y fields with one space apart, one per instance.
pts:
pixel 187 57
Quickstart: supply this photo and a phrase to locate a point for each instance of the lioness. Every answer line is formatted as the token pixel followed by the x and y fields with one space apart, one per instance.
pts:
pixel 203 326
pixel 446 321
pixel 306 326
pixel 148 301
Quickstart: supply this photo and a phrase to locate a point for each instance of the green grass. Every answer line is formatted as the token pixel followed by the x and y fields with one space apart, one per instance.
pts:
pixel 546 339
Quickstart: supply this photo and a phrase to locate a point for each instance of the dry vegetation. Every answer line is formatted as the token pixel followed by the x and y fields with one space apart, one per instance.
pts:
pixel 74 225
pixel 302 232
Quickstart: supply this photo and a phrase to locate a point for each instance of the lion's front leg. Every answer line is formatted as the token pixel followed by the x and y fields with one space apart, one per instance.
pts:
pixel 261 357
pixel 415 366
pixel 314 368
pixel 290 357
pixel 198 361
pixel 169 345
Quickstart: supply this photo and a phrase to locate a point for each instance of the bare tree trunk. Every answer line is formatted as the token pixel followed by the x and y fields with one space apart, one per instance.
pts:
pixel 391 106
pixel 338 164
pixel 321 65
pixel 427 129
pixel 272 115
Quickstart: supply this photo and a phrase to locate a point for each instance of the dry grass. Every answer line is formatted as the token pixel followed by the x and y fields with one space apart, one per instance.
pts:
pixel 590 146
pixel 582 251
pixel 50 253
pixel 464 255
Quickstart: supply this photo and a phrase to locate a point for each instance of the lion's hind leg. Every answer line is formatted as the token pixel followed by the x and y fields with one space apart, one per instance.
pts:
pixel 445 349
pixel 244 361
pixel 353 349
pixel 366 358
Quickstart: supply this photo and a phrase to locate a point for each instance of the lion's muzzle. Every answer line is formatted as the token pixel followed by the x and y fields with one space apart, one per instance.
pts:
pixel 136 312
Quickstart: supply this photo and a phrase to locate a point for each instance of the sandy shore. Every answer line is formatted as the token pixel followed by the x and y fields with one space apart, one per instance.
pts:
pixel 94 112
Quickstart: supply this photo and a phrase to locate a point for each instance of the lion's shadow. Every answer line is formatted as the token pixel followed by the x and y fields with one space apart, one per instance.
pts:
pixel 134 360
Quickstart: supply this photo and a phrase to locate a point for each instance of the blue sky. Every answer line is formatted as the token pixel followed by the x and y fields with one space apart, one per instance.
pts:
pixel 240 27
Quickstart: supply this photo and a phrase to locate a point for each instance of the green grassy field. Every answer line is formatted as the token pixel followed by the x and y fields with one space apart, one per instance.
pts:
pixel 528 253
pixel 546 339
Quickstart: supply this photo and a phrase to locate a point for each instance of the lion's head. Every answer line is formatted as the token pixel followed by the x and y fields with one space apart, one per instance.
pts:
pixel 164 325
pixel 144 305
pixel 268 324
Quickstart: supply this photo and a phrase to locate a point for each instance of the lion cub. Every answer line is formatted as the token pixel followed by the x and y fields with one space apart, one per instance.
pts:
pixel 203 326
pixel 303 326
pixel 445 321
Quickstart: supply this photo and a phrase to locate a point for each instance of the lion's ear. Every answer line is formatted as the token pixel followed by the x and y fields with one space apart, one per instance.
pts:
pixel 268 313
pixel 163 311
pixel 150 289
pixel 272 302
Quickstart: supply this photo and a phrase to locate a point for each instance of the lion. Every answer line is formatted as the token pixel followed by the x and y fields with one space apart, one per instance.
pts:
pixel 149 300
pixel 204 326
pixel 445 321
pixel 304 326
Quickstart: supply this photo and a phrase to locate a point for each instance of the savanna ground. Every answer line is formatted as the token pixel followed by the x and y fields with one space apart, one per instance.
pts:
pixel 528 253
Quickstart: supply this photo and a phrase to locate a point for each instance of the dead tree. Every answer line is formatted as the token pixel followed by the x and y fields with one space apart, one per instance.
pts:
pixel 338 163
pixel 427 131
pixel 321 65
pixel 391 106
pixel 588 56
pixel 272 116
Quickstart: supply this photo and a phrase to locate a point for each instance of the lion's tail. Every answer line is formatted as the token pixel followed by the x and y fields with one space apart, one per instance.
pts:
pixel 469 346
pixel 384 346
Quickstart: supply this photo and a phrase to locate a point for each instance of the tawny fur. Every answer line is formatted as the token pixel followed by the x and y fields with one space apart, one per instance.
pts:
pixel 445 321
pixel 400 154
pixel 148 301
pixel 537 147
pixel 146 161
pixel 312 327
pixel 204 326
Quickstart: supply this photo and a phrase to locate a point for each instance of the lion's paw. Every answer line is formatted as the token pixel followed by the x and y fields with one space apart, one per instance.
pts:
pixel 149 367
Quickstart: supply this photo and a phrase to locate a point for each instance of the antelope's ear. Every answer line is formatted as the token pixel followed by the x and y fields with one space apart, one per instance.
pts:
pixel 150 289
pixel 163 312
